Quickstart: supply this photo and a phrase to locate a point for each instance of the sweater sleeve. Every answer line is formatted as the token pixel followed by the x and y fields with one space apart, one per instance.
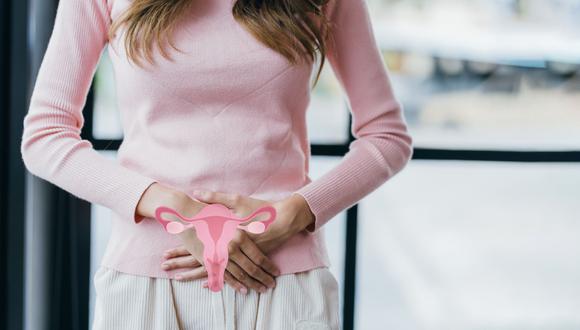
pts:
pixel 382 145
pixel 51 146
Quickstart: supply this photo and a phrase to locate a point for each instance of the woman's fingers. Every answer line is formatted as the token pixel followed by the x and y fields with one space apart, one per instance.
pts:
pixel 180 262
pixel 231 280
pixel 251 250
pixel 248 268
pixel 199 272
pixel 243 277
pixel 176 252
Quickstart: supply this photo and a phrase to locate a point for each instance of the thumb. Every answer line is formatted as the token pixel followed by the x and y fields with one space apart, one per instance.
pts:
pixel 206 196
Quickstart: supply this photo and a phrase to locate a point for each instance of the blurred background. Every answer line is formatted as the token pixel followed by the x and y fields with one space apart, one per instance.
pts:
pixel 480 231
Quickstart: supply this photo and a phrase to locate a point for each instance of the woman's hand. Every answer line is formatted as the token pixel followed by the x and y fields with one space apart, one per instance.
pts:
pixel 181 257
pixel 292 215
pixel 190 255
pixel 241 271
pixel 248 263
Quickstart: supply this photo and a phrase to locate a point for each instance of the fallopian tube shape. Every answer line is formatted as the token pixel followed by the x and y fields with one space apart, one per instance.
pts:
pixel 215 226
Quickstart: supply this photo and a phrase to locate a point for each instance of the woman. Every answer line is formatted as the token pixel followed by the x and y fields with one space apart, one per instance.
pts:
pixel 212 97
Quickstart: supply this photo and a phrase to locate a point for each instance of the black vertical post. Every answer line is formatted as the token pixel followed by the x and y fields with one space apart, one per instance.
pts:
pixel 13 83
pixel 350 268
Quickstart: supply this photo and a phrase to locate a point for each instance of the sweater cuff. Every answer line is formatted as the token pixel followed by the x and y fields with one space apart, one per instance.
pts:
pixel 128 200
pixel 314 194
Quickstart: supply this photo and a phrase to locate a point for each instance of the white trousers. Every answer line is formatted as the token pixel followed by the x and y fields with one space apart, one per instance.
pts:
pixel 304 300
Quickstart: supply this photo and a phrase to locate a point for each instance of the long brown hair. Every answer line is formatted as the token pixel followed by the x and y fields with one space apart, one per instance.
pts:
pixel 296 29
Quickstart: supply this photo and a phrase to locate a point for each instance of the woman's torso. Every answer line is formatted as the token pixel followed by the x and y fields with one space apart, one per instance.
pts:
pixel 227 115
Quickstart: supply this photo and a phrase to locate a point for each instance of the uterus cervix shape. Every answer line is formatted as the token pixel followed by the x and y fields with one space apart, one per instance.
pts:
pixel 215 226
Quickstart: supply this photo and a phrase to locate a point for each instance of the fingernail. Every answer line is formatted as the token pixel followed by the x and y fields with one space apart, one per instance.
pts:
pixel 164 266
pixel 178 277
pixel 205 284
pixel 244 290
pixel 262 289
pixel 277 272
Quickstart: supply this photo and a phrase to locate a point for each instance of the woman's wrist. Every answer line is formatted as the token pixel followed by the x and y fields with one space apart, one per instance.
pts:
pixel 159 195
pixel 303 216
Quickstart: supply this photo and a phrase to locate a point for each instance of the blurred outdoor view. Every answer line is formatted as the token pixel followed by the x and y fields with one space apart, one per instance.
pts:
pixel 452 244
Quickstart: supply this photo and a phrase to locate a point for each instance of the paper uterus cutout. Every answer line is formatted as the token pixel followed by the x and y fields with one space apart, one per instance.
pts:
pixel 215 226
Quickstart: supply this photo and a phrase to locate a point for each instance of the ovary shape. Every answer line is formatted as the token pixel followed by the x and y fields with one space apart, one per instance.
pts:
pixel 215 226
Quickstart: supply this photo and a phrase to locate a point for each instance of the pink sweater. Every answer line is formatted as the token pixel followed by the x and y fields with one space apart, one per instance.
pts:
pixel 228 114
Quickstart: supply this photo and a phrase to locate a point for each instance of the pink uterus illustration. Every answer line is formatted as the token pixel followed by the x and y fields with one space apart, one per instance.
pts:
pixel 215 226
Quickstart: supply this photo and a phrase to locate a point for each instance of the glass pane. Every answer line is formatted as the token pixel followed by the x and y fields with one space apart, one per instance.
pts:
pixel 455 245
pixel 334 231
pixel 106 121
pixel 485 74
